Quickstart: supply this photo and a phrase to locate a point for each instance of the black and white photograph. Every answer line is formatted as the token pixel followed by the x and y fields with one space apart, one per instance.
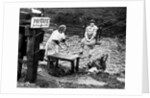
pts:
pixel 75 47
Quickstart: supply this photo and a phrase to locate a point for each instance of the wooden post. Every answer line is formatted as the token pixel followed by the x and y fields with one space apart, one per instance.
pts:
pixel 77 64
pixel 57 62
pixel 21 50
pixel 19 67
pixel 34 38
pixel 72 66
pixel 100 33
pixel 20 56
pixel 84 27
pixel 32 56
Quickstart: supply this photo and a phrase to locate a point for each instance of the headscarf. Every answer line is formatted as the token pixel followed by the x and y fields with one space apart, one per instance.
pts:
pixel 62 27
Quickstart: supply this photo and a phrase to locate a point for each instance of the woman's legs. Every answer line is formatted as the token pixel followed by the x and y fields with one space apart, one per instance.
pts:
pixel 90 45
pixel 91 49
pixel 83 41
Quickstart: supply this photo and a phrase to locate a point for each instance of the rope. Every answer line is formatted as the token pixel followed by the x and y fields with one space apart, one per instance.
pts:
pixel 112 25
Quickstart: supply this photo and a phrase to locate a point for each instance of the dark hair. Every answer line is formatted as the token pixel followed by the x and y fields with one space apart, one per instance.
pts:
pixel 92 21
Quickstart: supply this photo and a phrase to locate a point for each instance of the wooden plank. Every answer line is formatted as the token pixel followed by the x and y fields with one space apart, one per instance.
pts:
pixel 63 57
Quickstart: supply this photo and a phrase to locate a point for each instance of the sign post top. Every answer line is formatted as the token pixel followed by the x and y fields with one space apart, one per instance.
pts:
pixel 40 22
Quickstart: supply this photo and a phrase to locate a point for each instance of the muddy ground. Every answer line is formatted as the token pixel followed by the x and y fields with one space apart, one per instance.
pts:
pixel 112 77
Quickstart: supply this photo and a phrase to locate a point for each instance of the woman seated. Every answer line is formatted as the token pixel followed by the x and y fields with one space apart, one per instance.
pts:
pixel 53 43
pixel 89 37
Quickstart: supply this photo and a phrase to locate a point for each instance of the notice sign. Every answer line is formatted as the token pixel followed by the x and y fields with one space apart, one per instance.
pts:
pixel 40 22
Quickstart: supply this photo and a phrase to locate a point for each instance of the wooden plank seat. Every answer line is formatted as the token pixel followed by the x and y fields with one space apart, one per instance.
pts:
pixel 66 57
